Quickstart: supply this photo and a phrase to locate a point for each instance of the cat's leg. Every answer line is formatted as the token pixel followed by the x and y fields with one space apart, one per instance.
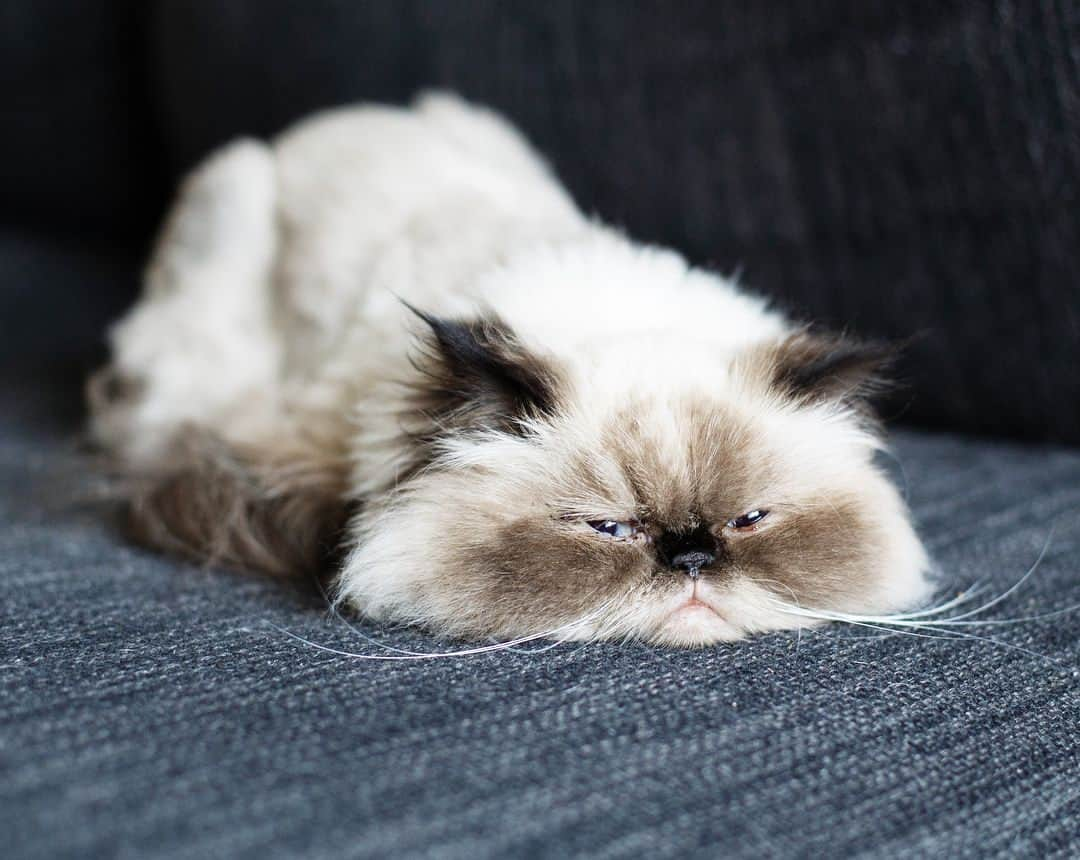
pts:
pixel 200 347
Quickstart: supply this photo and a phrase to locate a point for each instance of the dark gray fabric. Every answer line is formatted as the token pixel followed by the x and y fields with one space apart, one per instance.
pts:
pixel 79 150
pixel 147 710
pixel 898 169
pixel 57 297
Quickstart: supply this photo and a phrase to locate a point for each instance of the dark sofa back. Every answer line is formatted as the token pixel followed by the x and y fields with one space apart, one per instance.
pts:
pixel 894 169
pixel 78 151
pixel 897 169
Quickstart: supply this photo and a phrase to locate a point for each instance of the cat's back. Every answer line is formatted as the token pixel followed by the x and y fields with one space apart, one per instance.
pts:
pixel 406 200
pixel 408 157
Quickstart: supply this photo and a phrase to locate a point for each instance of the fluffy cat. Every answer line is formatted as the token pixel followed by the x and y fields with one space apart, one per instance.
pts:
pixel 389 342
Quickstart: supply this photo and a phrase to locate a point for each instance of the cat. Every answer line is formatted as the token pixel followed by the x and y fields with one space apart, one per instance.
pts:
pixel 388 342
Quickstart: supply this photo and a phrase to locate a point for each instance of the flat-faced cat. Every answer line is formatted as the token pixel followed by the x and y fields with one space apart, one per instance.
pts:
pixel 390 340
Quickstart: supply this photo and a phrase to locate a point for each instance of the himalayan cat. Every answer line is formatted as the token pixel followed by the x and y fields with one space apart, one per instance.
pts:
pixel 388 342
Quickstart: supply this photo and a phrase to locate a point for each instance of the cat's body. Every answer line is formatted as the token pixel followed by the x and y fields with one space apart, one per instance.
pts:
pixel 392 331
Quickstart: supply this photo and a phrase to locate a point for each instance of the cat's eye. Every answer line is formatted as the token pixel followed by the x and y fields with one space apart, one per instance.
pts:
pixel 615 528
pixel 747 520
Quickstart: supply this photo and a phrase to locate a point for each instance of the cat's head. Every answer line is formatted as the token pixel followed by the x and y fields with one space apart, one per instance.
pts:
pixel 648 488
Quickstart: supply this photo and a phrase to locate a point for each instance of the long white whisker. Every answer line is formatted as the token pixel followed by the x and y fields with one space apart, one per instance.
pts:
pixel 550 646
pixel 942 634
pixel 592 616
pixel 334 613
pixel 464 652
pixel 922 619
pixel 965 596
pixel 794 597
pixel 986 622
pixel 358 632
pixel 1016 585
pixel 892 631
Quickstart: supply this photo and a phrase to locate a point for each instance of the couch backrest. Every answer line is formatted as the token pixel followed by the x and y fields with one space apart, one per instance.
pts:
pixel 896 169
pixel 79 150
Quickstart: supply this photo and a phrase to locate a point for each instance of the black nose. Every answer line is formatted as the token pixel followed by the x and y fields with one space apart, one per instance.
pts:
pixel 693 562
pixel 688 551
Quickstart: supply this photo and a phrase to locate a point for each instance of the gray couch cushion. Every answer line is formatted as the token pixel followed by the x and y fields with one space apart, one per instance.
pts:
pixel 148 710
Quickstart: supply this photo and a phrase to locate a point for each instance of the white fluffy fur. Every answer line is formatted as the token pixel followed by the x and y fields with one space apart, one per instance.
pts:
pixel 273 307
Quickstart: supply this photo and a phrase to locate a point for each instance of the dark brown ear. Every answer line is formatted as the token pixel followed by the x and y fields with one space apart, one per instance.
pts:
pixel 279 511
pixel 820 367
pixel 476 374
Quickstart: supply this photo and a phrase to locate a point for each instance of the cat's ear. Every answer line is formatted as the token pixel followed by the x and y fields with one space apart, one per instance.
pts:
pixel 814 367
pixel 476 374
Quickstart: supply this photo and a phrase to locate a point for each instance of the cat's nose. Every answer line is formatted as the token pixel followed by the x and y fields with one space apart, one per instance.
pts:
pixel 688 551
pixel 692 562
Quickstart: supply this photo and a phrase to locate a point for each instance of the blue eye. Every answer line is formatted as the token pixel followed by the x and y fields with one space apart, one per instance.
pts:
pixel 614 528
pixel 750 518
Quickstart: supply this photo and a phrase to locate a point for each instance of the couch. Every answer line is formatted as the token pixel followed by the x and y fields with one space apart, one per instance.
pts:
pixel 906 170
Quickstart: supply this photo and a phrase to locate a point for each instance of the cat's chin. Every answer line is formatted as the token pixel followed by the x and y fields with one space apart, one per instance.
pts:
pixel 695 623
pixel 705 614
pixel 694 618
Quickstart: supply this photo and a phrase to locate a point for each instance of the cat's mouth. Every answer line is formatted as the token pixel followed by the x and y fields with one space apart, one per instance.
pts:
pixel 694 607
pixel 696 620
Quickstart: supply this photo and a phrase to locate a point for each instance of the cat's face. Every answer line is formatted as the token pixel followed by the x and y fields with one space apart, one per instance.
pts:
pixel 549 503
